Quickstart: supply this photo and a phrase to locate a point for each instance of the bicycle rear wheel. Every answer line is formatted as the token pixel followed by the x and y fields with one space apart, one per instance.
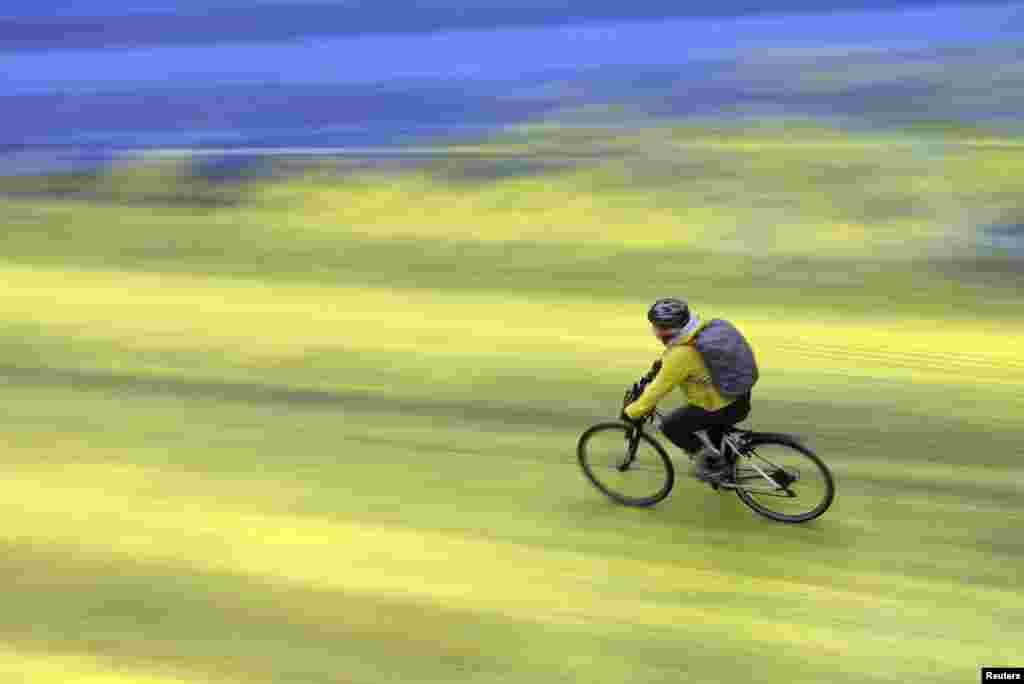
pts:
pixel 780 478
pixel 625 464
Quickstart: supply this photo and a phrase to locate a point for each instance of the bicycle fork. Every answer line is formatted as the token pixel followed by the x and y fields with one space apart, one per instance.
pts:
pixel 632 442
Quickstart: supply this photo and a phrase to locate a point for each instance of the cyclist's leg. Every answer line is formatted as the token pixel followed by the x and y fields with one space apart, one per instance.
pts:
pixel 679 426
pixel 736 412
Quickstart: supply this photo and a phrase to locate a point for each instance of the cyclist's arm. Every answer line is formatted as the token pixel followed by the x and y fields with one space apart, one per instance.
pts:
pixel 675 368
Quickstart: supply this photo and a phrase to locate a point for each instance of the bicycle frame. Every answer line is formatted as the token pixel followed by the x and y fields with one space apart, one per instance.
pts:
pixel 728 442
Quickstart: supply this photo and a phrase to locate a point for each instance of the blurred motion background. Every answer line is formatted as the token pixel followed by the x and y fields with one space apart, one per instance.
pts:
pixel 305 305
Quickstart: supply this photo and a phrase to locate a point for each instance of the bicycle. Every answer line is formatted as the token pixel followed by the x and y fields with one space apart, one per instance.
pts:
pixel 752 474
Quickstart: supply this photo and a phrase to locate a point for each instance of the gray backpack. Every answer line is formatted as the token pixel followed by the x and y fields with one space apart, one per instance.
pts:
pixel 728 357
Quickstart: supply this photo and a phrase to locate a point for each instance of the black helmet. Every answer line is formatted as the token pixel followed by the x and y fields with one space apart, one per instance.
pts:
pixel 669 313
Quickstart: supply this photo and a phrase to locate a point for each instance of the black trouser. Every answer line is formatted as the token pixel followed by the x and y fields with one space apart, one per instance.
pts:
pixel 679 425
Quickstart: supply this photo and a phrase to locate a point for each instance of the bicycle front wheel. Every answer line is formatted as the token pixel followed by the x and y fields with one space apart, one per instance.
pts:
pixel 626 465
pixel 782 479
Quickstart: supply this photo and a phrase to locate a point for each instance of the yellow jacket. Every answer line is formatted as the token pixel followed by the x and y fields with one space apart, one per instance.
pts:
pixel 681 366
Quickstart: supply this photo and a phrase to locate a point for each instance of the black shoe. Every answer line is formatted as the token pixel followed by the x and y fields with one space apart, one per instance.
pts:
pixel 713 472
pixel 710 467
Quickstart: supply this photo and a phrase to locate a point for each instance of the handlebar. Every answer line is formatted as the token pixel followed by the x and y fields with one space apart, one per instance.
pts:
pixel 634 392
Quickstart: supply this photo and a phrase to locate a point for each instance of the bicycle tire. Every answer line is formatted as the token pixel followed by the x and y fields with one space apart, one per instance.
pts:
pixel 618 497
pixel 756 440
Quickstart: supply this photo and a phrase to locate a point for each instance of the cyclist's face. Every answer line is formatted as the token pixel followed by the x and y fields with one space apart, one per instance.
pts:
pixel 663 334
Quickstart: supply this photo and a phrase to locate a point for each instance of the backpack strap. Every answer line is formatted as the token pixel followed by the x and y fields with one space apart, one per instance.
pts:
pixel 690 332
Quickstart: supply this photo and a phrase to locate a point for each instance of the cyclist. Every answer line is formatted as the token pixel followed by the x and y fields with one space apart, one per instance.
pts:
pixel 682 366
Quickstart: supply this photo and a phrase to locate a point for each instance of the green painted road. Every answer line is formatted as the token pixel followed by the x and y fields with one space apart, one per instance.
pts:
pixel 252 445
